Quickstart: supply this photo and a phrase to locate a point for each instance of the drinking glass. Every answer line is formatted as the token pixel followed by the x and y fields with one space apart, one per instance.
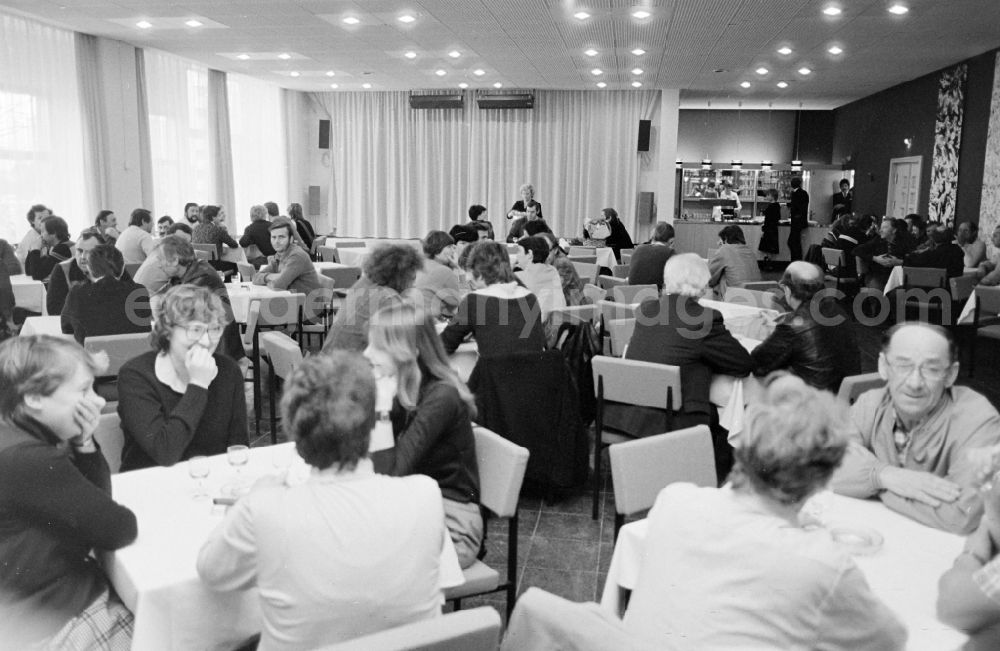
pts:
pixel 238 456
pixel 199 468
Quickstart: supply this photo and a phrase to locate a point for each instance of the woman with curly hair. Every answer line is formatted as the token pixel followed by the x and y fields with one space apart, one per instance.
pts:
pixel 389 272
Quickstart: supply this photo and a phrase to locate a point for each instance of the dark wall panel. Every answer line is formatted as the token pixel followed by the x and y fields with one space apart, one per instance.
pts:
pixel 972 157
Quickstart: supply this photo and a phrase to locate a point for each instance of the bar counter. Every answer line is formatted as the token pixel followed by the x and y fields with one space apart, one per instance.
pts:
pixel 700 236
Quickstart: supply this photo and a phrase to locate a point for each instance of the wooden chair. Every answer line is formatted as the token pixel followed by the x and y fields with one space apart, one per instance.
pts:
pixel 626 255
pixel 634 293
pixel 477 629
pixel 283 355
pixel 594 293
pixel 574 314
pixel 586 270
pixel 343 277
pixel 935 305
pixel 607 282
pixel 210 249
pixel 328 253
pixel 987 308
pixel 111 440
pixel 631 382
pixel 203 255
pixel 854 385
pixel 620 332
pixel 583 250
pixel 620 271
pixel 119 349
pixel 271 313
pixel 640 469
pixel 501 472
pixel 317 313
pixel 246 270
pixel 753 298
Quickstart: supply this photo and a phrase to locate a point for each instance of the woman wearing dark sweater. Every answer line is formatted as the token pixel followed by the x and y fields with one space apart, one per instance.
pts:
pixel 431 414
pixel 57 248
pixel 55 503
pixel 502 315
pixel 164 394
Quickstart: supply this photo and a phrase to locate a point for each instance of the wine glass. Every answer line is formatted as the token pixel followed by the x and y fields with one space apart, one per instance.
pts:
pixel 238 456
pixel 199 468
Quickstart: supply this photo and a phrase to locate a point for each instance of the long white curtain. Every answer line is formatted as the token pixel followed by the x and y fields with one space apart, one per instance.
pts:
pixel 400 172
pixel 256 124
pixel 41 133
pixel 177 100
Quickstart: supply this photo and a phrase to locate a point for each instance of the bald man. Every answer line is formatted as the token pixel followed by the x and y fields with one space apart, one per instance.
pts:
pixel 814 341
pixel 913 436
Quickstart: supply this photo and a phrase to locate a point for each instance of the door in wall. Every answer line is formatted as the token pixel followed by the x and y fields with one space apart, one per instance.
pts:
pixel 904 186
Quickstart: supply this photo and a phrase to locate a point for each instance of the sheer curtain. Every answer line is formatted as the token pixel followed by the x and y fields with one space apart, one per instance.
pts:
pixel 256 124
pixel 177 100
pixel 396 171
pixel 41 131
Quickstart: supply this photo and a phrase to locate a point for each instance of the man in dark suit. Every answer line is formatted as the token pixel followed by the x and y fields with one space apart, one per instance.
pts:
pixel 677 330
pixel 843 201
pixel 798 209
pixel 646 266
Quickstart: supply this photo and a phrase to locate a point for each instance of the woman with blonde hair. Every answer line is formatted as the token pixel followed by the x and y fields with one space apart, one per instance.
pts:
pixel 431 410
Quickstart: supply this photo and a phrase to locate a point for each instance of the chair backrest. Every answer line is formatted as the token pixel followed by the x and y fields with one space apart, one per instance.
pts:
pixel 961 287
pixel 351 244
pixel 583 250
pixel 621 333
pixel 924 277
pixel 834 258
pixel 575 314
pixel 343 277
pixel 328 253
pixel 634 293
pixel 461 630
pixel 626 251
pixel 587 270
pixel 279 310
pixel 607 282
pixel 861 267
pixel 752 297
pixel 246 271
pixel 620 271
pixel 854 385
pixel 611 310
pixel 283 351
pixel 119 348
pixel 111 439
pixel 594 293
pixel 203 255
pixel 641 468
pixel 211 249
pixel 760 285
pixel 987 300
pixel 501 471
pixel 586 259
pixel 637 383
pixel 131 268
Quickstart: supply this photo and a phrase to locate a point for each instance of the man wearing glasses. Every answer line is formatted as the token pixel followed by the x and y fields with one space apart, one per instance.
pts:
pixel 913 435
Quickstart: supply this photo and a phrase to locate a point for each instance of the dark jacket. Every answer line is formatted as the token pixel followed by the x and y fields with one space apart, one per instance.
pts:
pixel 501 326
pixel 949 257
pixel 64 277
pixel 108 307
pixel 798 208
pixel 202 274
pixel 8 259
pixel 619 238
pixel 821 353
pixel 434 439
pixel 519 206
pixel 769 229
pixel 677 330
pixel 55 508
pixel 646 266
pixel 39 265
pixel 258 233
pixel 306 233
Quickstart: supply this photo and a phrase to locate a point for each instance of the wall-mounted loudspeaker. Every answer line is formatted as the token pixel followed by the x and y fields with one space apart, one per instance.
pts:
pixel 324 134
pixel 313 201
pixel 644 126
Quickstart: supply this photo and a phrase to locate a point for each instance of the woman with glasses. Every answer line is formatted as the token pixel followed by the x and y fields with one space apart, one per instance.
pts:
pixel 164 394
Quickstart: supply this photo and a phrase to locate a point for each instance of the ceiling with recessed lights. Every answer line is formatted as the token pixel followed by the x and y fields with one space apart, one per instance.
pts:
pixel 817 53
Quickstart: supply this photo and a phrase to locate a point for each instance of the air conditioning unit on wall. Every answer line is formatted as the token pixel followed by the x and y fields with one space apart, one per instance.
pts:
pixel 455 101
pixel 506 101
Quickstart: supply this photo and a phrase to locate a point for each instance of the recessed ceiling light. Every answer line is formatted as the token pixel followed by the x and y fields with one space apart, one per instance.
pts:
pixel 498 85
pixel 242 57
pixel 330 73
pixel 454 54
pixel 334 86
pixel 591 52
pixel 351 20
pixel 193 23
pixel 581 15
pixel 805 71
pixel 144 24
pixel 479 72
pixel 835 50
pixel 294 73
pixel 636 71
pixel 638 51
pixel 410 55
pixel 636 84
pixel 601 84
pixel 745 84
pixel 785 50
pixel 406 18
pixel 782 84
pixel 641 14
pixel 761 70
pixel 898 9
pixel 285 56
pixel 596 71
pixel 440 73
pixel 463 85
pixel 833 11
pixel 366 86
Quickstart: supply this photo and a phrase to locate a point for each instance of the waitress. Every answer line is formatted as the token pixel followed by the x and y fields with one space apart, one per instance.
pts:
pixel 519 208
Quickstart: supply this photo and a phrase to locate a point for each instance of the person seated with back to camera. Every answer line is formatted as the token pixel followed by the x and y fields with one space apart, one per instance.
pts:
pixel 572 284
pixel 912 436
pixel 110 304
pixel 715 559
pixel 538 275
pixel 258 234
pixel 734 263
pixel 646 266
pixel 346 553
pixel 941 252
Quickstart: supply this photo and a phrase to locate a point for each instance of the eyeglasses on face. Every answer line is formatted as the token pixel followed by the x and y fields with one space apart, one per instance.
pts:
pixel 933 371
pixel 196 331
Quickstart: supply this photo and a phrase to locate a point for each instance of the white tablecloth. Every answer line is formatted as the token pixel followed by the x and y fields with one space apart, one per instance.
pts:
pixel 896 277
pixel 731 395
pixel 744 320
pixel 353 256
pixel 968 310
pixel 156 576
pixel 903 574
pixel 320 266
pixel 241 294
pixel 29 294
pixel 43 325
pixel 605 257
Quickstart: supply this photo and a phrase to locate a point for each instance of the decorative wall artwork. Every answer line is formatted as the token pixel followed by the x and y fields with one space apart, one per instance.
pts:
pixel 989 206
pixel 947 141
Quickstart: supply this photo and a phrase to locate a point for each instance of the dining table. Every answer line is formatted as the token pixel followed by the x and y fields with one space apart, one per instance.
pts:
pixel 242 294
pixel 29 294
pixel 902 571
pixel 156 576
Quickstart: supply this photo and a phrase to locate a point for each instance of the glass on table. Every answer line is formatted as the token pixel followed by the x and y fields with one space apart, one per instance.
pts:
pixel 238 456
pixel 199 468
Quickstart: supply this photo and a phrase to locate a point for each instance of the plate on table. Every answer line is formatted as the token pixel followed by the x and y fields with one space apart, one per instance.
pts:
pixel 858 541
